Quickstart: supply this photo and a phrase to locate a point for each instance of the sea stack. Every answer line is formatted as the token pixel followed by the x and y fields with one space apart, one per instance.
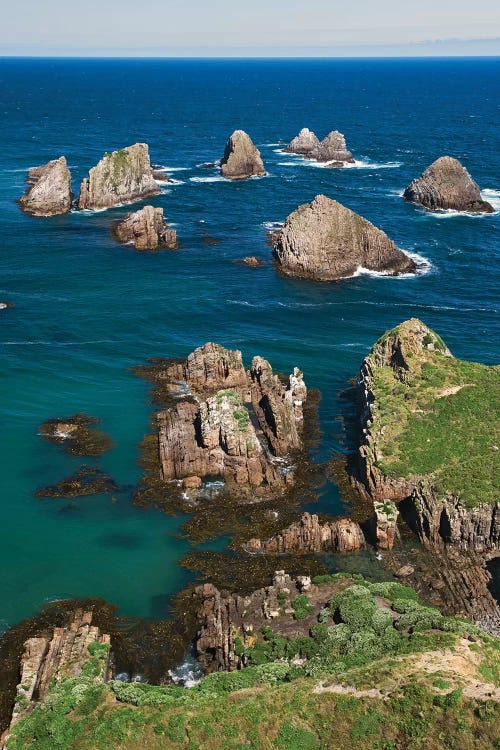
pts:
pixel 446 184
pixel 332 149
pixel 120 177
pixel 147 230
pixel 49 189
pixel 303 143
pixel 241 158
pixel 324 241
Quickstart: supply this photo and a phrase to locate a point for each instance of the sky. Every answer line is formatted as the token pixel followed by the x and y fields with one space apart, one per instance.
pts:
pixel 255 28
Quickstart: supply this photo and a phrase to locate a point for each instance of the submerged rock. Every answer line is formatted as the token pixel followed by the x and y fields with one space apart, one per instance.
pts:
pixel 77 435
pixel 303 143
pixel 446 184
pixel 88 480
pixel 49 189
pixel 120 177
pixel 147 230
pixel 241 158
pixel 251 261
pixel 324 241
pixel 332 149
pixel 309 535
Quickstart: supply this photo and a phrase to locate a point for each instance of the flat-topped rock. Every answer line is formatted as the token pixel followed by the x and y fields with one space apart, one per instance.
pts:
pixel 303 143
pixel 446 185
pixel 324 241
pixel 49 189
pixel 333 149
pixel 241 158
pixel 120 177
pixel 309 535
pixel 147 230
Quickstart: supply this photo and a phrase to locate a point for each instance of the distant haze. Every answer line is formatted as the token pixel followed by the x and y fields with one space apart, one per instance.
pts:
pixel 250 28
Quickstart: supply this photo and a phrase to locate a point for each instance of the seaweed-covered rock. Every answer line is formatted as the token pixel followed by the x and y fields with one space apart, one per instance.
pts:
pixel 88 480
pixel 147 230
pixel 446 184
pixel 49 189
pixel 303 143
pixel 332 149
pixel 324 241
pixel 241 158
pixel 120 177
pixel 77 435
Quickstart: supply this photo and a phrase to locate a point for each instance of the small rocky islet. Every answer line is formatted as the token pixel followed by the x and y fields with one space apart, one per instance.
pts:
pixel 331 151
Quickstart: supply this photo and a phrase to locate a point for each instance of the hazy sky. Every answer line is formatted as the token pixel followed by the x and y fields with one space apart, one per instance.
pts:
pixel 249 27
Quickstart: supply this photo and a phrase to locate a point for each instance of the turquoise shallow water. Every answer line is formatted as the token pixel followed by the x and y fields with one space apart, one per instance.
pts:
pixel 87 309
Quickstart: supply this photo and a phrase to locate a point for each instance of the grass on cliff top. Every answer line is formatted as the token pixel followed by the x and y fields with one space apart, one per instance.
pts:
pixel 443 422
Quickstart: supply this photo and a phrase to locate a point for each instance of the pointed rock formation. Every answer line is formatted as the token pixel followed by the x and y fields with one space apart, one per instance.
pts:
pixel 309 535
pixel 303 143
pixel 147 230
pixel 445 185
pixel 333 149
pixel 120 177
pixel 324 241
pixel 241 158
pixel 49 189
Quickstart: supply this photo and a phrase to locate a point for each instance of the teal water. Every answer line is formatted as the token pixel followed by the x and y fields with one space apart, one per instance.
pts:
pixel 86 309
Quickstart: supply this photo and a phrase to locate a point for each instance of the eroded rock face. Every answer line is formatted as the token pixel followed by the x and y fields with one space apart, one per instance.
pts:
pixel 49 189
pixel 446 184
pixel 241 158
pixel 147 230
pixel 120 177
pixel 333 149
pixel 309 535
pixel 324 241
pixel 237 425
pixel 303 143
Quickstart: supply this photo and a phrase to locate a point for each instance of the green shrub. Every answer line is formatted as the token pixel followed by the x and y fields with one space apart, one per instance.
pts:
pixel 301 607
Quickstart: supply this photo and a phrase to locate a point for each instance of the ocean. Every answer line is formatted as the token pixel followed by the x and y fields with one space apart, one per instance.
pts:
pixel 86 310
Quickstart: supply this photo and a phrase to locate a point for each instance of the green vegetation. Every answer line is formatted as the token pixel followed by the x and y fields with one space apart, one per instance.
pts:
pixel 440 419
pixel 301 607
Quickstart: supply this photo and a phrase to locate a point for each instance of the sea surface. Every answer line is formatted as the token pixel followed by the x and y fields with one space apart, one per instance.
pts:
pixel 86 310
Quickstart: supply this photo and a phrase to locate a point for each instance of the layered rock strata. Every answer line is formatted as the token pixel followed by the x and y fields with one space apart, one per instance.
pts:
pixel 146 230
pixel 332 149
pixel 444 185
pixel 241 158
pixel 231 423
pixel 324 241
pixel 49 189
pixel 303 143
pixel 123 176
pixel 309 535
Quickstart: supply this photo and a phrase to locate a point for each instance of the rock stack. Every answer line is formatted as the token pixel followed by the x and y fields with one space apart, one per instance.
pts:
pixel 241 158
pixel 146 230
pixel 49 189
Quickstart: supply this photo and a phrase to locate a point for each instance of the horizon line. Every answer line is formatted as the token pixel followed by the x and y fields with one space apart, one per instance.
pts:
pixel 36 56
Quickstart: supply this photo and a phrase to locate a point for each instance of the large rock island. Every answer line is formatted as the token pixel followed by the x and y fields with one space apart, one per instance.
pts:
pixel 446 185
pixel 241 158
pixel 146 230
pixel 324 241
pixel 123 176
pixel 49 189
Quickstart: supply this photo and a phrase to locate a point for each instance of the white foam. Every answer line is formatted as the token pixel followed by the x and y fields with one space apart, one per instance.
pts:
pixel 188 673
pixel 171 169
pixel 423 266
pixel 493 197
pixel 170 181
pixel 272 225
pixel 358 163
pixel 214 178
pixel 3 305
pixel 361 164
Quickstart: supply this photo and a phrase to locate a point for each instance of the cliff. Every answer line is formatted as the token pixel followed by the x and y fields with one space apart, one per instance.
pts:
pixel 324 241
pixel 146 230
pixel 49 189
pixel 446 184
pixel 431 437
pixel 123 176
pixel 309 535
pixel 241 158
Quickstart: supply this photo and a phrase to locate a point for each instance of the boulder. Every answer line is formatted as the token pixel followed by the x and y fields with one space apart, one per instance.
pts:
pixel 324 241
pixel 147 230
pixel 445 185
pixel 332 149
pixel 49 189
pixel 123 176
pixel 241 158
pixel 309 535
pixel 303 143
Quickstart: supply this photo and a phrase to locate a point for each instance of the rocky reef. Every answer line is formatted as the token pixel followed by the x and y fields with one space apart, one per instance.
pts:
pixel 324 241
pixel 229 423
pixel 303 143
pixel 333 150
pixel 444 185
pixel 430 439
pixel 310 535
pixel 146 229
pixel 77 434
pixel 123 176
pixel 241 158
pixel 49 189
pixel 87 480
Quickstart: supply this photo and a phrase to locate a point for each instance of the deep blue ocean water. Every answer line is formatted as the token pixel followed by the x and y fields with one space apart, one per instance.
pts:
pixel 87 309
